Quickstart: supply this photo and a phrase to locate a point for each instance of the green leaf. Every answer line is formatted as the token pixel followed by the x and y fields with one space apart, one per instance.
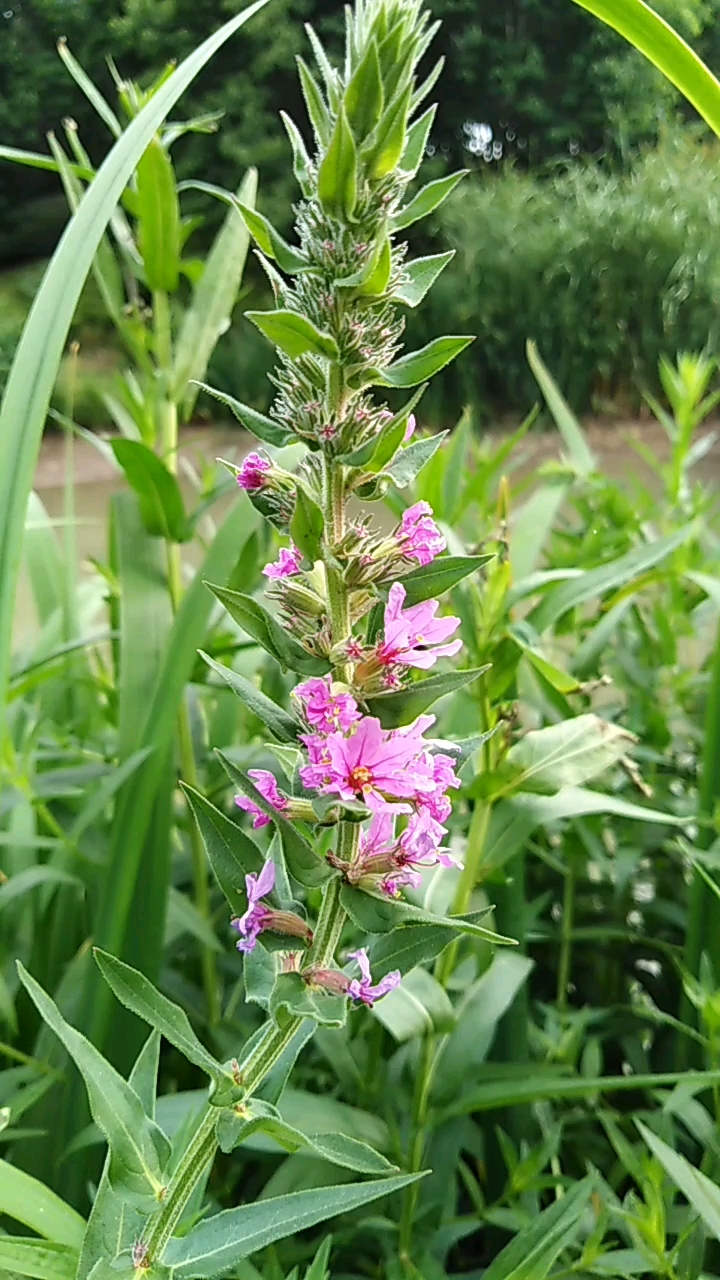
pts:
pixel 92 93
pixel 664 47
pixel 417 136
pixel 40 1258
pixel 374 914
pixel 364 94
pixel 388 143
pixel 41 347
pixel 301 159
pixel 376 281
pixel 393 709
pixel 431 580
pixel 338 1148
pixel 304 863
pixel 36 160
pixel 219 1243
pixel 292 996
pixel 521 1091
pixel 420 276
pixel 271 242
pixel 566 754
pixel 264 428
pixel 231 854
pixel 137 993
pixel 316 109
pixel 535 1249
pixel 158 215
pixel 214 297
pixel 409 462
pixel 405 948
pixel 700 1192
pixel 137 1147
pixel 36 1206
pixel 419 1006
pixel 294 334
pixel 374 454
pixel 337 175
pixel 158 491
pixel 426 200
pixel 420 366
pixel 279 722
pixel 34 877
pixel 579 451
pixel 596 582
pixel 255 619
pixel 307 525
pixel 320 1266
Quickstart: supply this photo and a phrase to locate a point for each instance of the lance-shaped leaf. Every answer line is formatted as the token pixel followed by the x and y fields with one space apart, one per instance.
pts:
pixel 294 334
pixel 409 462
pixel 42 1259
pixel 418 1006
pixel 138 1148
pixel 388 142
pixel 407 947
pixel 405 705
pixel 307 525
pixel 426 200
pixel 377 280
pixel 303 862
pixel 231 853
pixel 417 136
pixel 33 1204
pixel 279 722
pixel 158 214
pixel 420 276
pixel 699 1190
pixel 337 175
pixel 420 366
pixel 338 1148
pixel 301 159
pixel 375 453
pixel 316 109
pixel 161 504
pixel 430 580
pixel 364 94
pixel 293 998
pixel 374 914
pixel 217 1244
pixel 255 619
pixel 535 1249
pixel 271 242
pixel 566 754
pixel 264 428
pixel 137 993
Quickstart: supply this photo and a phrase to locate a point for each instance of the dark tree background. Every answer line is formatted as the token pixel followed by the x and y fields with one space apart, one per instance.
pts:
pixel 538 80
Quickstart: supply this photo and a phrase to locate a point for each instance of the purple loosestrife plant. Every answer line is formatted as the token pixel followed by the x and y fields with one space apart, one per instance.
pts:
pixel 355 616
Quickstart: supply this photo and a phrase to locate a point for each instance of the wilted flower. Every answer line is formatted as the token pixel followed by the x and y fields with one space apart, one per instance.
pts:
pixel 361 989
pixel 253 922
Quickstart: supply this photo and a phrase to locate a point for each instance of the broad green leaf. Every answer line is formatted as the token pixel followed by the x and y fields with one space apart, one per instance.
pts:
pixel 337 175
pixel 595 582
pixel 294 334
pixel 478 1015
pixel 264 428
pixel 255 619
pixel 417 136
pixel 158 213
pixel 700 1192
pixel 579 452
pixel 307 525
pixel 374 914
pixel 208 316
pixel 364 94
pixel 388 143
pixel 40 350
pixel 566 754
pixel 431 580
pixel 405 948
pixel 535 1249
pixel 304 863
pixel 515 818
pixel 271 242
pixel 420 366
pixel 279 722
pixel 40 1258
pixel 420 276
pixel 496 1094
pixel 292 997
pixel 645 29
pixel 36 1206
pixel 137 1146
pixel 426 200
pixel 409 462
pixel 215 1245
pixel 393 709
pixel 419 1006
pixel 158 491
pixel 231 853
pixel 137 993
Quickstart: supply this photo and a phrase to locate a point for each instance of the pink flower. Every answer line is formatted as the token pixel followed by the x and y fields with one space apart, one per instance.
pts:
pixel 371 761
pixel 325 710
pixel 361 988
pixel 410 428
pixel 433 798
pixel 378 843
pixel 415 637
pixel 418 536
pixel 287 563
pixel 268 788
pixel 252 474
pixel 257 915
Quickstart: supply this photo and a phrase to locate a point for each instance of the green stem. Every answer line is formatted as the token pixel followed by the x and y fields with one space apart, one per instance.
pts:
pixel 421 1098
pixel 568 918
